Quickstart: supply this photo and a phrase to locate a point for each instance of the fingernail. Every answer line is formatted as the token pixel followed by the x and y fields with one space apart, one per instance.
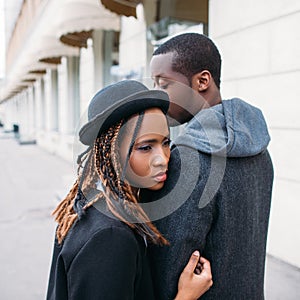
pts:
pixel 196 253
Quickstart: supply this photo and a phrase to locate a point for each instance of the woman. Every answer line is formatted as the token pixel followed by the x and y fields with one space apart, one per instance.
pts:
pixel 102 234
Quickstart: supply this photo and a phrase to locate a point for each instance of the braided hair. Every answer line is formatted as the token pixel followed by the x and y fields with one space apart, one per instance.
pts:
pixel 104 162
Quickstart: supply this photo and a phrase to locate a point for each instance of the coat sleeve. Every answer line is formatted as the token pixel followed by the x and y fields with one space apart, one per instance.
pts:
pixel 105 267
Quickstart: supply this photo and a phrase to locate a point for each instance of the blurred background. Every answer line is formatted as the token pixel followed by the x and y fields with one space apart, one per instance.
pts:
pixel 55 54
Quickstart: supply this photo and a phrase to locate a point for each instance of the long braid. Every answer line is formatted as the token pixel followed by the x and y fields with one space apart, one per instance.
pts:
pixel 119 196
pixel 88 180
pixel 103 162
pixel 64 213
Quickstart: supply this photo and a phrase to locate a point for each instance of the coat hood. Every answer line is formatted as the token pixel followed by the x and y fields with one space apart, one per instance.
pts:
pixel 233 128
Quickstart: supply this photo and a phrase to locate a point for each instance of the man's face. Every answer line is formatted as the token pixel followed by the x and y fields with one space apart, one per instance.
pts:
pixel 176 85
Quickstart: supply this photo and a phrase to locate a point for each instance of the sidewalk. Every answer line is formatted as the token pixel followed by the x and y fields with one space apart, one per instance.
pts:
pixel 30 179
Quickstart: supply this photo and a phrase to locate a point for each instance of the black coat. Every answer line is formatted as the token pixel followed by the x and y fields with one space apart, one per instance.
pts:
pixel 101 258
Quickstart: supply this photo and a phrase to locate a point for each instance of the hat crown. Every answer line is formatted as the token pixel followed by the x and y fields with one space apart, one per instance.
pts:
pixel 112 94
pixel 119 101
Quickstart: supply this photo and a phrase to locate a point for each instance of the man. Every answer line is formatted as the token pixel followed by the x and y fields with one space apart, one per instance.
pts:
pixel 221 171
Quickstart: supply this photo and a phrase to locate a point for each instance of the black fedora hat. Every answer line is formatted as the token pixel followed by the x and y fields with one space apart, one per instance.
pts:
pixel 118 101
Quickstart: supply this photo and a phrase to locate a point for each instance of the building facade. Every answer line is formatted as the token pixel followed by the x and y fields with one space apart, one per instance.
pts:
pixel 61 52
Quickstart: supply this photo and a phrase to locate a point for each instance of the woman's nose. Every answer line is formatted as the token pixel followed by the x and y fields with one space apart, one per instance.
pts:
pixel 160 159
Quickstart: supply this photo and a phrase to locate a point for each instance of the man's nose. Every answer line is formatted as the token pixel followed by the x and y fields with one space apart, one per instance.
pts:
pixel 156 86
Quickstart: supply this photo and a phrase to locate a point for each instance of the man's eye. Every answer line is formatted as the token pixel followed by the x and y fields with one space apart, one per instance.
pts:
pixel 163 86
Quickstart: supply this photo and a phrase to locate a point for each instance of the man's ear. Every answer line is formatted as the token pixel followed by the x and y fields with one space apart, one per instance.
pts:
pixel 201 81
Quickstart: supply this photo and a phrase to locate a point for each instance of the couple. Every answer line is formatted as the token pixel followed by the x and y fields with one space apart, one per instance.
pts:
pixel 134 221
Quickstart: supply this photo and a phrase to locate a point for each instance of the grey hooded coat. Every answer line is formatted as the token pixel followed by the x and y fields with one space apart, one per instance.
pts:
pixel 217 199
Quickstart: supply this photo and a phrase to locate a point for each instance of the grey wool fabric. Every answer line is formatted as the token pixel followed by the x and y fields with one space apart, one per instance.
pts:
pixel 224 173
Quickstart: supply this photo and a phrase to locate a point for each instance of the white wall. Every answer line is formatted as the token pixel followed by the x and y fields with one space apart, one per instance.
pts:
pixel 57 142
pixel 133 46
pixel 87 90
pixel 260 46
pixel 31 115
pixel 87 78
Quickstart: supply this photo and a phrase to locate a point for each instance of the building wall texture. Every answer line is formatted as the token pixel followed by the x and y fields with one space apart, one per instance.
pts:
pixel 260 46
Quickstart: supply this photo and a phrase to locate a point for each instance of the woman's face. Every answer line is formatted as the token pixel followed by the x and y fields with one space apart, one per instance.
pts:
pixel 148 162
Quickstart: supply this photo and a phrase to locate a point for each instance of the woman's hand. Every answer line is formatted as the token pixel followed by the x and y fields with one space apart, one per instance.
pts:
pixel 195 279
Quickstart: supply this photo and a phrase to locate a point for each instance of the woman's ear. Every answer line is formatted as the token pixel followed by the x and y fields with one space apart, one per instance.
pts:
pixel 201 81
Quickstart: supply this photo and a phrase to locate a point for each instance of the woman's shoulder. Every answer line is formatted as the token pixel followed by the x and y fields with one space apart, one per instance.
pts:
pixel 98 229
pixel 96 220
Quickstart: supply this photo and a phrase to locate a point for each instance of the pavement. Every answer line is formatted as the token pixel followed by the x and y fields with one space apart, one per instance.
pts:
pixel 31 180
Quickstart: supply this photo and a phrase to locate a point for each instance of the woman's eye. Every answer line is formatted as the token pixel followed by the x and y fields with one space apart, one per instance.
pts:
pixel 144 148
pixel 167 142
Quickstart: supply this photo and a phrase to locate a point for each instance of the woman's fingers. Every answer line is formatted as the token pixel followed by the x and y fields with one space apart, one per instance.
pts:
pixel 196 278
pixel 206 270
pixel 193 261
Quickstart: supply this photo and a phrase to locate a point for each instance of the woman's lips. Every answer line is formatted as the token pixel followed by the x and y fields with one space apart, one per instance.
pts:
pixel 160 177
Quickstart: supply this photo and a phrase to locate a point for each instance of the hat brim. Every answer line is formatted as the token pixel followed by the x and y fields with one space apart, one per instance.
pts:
pixel 124 108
